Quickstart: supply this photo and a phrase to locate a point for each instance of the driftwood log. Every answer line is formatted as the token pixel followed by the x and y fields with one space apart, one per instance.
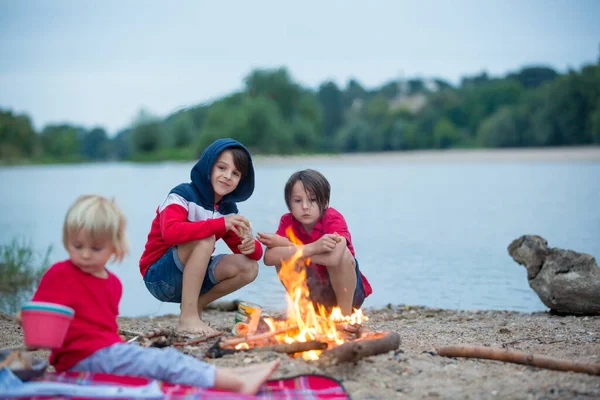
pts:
pixel 369 345
pixel 566 281
pixel 519 357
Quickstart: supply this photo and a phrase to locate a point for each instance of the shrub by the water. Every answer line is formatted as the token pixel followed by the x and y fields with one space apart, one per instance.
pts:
pixel 21 268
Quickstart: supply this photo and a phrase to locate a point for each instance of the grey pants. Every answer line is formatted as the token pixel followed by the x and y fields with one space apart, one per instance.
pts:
pixel 168 364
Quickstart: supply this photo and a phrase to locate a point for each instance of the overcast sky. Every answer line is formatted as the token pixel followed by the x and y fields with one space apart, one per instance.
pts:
pixel 98 62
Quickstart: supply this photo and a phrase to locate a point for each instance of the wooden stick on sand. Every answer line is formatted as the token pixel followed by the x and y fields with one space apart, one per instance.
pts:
pixel 519 357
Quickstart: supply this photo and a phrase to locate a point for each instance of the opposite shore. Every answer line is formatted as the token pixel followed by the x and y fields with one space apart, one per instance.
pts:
pixel 522 154
pixel 580 153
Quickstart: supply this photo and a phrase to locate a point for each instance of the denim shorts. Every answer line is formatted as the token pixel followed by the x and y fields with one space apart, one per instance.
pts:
pixel 164 278
pixel 321 291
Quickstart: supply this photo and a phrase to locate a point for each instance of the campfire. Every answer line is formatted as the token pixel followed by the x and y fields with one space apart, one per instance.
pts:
pixel 310 330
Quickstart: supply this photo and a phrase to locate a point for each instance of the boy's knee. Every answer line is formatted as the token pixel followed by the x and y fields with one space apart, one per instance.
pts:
pixel 208 242
pixel 344 259
pixel 249 269
pixel 205 245
pixel 202 244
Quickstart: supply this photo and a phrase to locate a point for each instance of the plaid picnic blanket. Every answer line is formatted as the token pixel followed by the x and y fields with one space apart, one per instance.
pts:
pixel 310 387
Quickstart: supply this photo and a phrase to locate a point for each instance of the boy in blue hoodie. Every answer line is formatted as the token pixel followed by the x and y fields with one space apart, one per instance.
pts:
pixel 177 263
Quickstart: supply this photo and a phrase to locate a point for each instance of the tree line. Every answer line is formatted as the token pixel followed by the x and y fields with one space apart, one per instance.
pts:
pixel 273 114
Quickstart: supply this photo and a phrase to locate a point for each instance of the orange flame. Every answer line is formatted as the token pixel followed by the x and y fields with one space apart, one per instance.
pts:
pixel 312 324
pixel 242 346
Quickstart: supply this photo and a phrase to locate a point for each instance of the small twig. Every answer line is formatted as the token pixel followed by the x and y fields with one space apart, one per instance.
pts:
pixel 161 332
pixel 7 317
pixel 125 332
pixel 530 338
pixel 133 339
pixel 196 341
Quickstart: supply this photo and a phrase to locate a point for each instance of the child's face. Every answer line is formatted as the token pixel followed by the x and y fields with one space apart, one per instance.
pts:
pixel 224 176
pixel 304 206
pixel 90 255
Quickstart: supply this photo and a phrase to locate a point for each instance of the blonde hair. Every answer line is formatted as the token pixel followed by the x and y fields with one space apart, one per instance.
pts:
pixel 101 219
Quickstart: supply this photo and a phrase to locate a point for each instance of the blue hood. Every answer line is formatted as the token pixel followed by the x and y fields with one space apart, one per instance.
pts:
pixel 201 189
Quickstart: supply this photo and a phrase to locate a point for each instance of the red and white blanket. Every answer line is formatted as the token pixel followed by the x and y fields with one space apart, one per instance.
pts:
pixel 298 387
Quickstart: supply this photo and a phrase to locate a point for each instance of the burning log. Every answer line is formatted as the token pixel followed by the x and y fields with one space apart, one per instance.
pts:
pixel 291 348
pixel 369 345
pixel 519 357
pixel 251 339
pixel 217 351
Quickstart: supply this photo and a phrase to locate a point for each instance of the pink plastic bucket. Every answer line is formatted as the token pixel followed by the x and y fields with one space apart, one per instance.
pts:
pixel 45 325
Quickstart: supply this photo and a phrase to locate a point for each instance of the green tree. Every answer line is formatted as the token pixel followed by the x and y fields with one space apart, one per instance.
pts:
pixel 306 126
pixel 533 77
pixel 596 124
pixel 389 90
pixel 564 109
pixel 146 133
pixel 120 145
pixel 256 122
pixel 17 136
pixel 182 130
pixel 476 80
pixel 95 144
pixel 353 136
pixel 507 127
pixel 330 98
pixel 61 141
pixel 445 134
pixel 277 86
pixel 482 100
pixel 305 137
pixel 353 92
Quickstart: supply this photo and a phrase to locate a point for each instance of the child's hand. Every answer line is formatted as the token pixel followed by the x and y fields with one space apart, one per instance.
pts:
pixel 326 243
pixel 18 319
pixel 272 240
pixel 247 246
pixel 237 224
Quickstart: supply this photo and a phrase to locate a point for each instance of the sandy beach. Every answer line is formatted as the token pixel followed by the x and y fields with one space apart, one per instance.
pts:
pixel 414 370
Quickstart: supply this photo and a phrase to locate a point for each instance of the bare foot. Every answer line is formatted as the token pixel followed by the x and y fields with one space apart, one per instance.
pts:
pixel 245 380
pixel 254 377
pixel 195 326
pixel 199 311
